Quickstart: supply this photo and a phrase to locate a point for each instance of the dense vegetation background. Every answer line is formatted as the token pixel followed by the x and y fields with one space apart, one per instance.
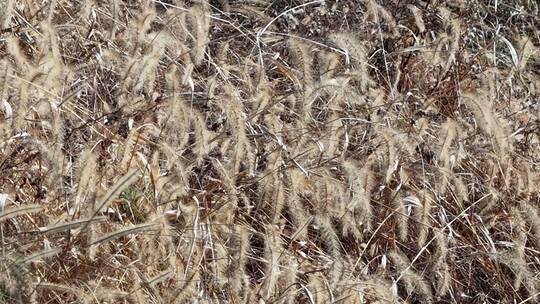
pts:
pixel 269 151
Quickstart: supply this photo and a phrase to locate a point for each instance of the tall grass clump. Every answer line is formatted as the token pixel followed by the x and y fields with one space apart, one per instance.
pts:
pixel 158 151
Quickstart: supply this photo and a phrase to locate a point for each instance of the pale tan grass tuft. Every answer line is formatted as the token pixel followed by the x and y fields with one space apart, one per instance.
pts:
pixel 303 58
pixel 377 14
pixel 461 191
pixel 130 148
pixel 362 183
pixel 333 248
pixel 357 60
pixel 103 295
pixel 401 215
pixel 243 152
pixel 87 172
pixel 20 58
pixel 449 132
pixel 272 252
pixel 329 64
pixel 423 217
pixel 289 279
pixel 200 23
pixel 515 258
pixel 489 122
pixel 316 291
pixel 376 289
pixel 202 136
pixel 5 13
pixel 441 267
pixel 530 212
pixel 238 278
pixel 417 13
pixel 414 282
pixel 454 44
pixel 295 206
pixel 7 109
pixel 137 294
pixel 80 294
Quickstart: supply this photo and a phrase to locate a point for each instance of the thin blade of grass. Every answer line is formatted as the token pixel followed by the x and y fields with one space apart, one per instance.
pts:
pixel 124 182
pixel 39 255
pixel 70 225
pixel 160 277
pixel 61 288
pixel 513 52
pixel 16 211
pixel 121 233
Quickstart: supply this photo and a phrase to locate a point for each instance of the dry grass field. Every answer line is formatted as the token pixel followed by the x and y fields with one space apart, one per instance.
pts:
pixel 287 151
